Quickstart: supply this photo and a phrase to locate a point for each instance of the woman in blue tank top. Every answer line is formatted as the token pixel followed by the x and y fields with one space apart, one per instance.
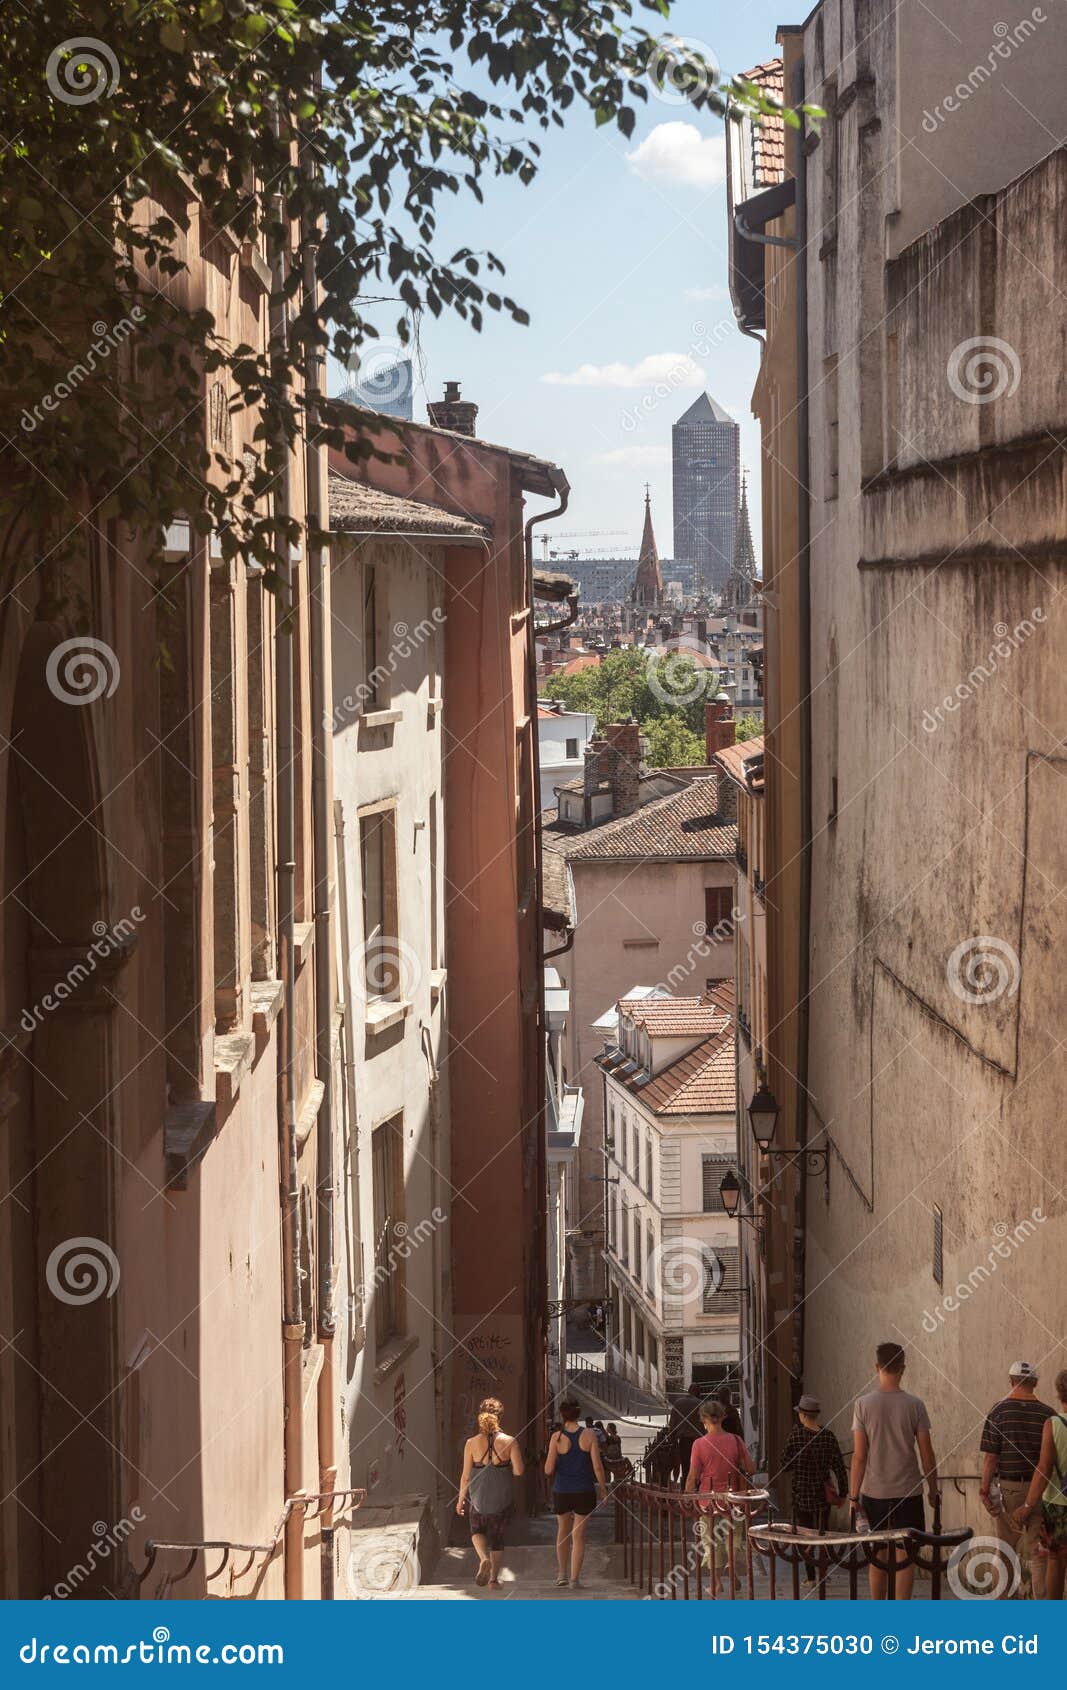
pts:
pixel 573 1464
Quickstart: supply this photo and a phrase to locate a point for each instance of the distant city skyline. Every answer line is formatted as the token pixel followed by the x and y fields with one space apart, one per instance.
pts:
pixel 630 315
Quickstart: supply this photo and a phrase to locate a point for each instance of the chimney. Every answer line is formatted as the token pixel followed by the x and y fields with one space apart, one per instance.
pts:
pixel 719 729
pixel 624 766
pixel 591 773
pixel 452 412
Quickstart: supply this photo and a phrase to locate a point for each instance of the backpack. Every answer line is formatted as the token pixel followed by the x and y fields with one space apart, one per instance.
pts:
pixel 490 1488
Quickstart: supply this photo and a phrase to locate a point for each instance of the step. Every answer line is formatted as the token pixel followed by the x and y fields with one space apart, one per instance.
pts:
pixel 528 1574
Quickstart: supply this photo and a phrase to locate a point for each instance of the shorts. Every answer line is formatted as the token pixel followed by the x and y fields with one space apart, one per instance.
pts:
pixel 893 1513
pixel 490 1526
pixel 573 1501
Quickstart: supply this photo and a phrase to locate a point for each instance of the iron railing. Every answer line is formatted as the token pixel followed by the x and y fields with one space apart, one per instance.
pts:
pixel 313 1506
pixel 671 1542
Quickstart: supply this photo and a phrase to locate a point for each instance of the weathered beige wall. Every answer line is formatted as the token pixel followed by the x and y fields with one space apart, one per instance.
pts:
pixel 939 707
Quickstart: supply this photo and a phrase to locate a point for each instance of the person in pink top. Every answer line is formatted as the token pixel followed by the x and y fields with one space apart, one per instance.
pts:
pixel 719 1462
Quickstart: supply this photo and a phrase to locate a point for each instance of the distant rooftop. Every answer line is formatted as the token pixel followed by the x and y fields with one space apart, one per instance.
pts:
pixel 704 410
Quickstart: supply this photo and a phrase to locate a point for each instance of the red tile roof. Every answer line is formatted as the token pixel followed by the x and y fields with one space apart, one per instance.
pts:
pixel 675 1018
pixel 733 759
pixel 723 994
pixel 357 508
pixel 702 1083
pixel 683 826
pixel 768 133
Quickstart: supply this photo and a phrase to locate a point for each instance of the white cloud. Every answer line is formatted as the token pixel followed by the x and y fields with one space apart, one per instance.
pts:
pixel 676 368
pixel 678 152
pixel 707 293
pixel 635 457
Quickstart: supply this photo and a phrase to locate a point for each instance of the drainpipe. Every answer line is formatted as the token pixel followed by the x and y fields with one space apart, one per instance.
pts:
pixel 535 1406
pixel 292 1302
pixel 804 579
pixel 325 1185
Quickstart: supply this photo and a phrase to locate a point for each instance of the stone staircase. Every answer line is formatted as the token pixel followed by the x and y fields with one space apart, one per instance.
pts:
pixel 529 1572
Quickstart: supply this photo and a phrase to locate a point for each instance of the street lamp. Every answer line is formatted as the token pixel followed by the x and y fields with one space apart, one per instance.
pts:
pixel 730 1192
pixel 763 1112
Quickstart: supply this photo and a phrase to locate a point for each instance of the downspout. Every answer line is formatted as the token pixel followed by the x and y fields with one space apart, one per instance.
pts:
pixel 325 1183
pixel 292 1303
pixel 535 1408
pixel 728 126
pixel 804 580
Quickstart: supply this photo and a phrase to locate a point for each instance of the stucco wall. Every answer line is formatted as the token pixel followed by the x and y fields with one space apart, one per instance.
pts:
pixel 939 707
pixel 394 1398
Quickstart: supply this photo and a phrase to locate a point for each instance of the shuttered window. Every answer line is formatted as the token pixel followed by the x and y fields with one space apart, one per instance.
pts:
pixel 713 1169
pixel 721 1280
pixel 939 1246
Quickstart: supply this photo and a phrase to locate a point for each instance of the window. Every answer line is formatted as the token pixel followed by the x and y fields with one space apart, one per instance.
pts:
pixel 612 1234
pixel 650 1252
pixel 721 1285
pixel 624 1232
pixel 637 1247
pixel 713 1168
pixel 373 675
pixel 572 750
pixel 718 906
pixel 387 1162
pixel 939 1246
pixel 648 1163
pixel 381 950
pixel 635 1165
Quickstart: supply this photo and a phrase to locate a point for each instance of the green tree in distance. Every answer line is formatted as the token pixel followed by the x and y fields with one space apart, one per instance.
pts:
pixel 345 122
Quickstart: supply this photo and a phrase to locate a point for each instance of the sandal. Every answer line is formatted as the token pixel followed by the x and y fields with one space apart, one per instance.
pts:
pixel 561 1582
pixel 484 1570
pixel 494 1584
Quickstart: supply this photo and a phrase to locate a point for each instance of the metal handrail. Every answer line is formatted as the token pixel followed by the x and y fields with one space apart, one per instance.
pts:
pixel 314 1504
pixel 654 1527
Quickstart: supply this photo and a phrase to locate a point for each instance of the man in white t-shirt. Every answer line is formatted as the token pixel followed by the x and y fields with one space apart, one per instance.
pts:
pixel 892 1454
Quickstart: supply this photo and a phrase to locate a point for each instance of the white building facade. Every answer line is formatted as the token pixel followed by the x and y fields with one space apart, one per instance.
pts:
pixel 562 737
pixel 670 1248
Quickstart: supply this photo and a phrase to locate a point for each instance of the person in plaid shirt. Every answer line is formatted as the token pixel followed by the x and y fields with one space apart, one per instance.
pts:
pixel 813 1457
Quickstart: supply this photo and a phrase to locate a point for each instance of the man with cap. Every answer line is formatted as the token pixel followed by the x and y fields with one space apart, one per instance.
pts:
pixel 813 1457
pixel 1011 1448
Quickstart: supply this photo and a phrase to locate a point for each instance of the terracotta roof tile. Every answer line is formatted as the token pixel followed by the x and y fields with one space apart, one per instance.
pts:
pixel 683 826
pixel 355 507
pixel 723 994
pixel 675 1018
pixel 734 757
pixel 768 133
pixel 702 1083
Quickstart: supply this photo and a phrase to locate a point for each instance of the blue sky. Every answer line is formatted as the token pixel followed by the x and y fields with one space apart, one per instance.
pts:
pixel 618 251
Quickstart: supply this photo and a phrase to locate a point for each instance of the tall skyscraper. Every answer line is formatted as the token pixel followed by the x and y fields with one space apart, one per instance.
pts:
pixel 707 473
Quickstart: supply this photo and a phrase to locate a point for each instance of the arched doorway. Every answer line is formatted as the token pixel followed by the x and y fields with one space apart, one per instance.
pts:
pixel 59 1255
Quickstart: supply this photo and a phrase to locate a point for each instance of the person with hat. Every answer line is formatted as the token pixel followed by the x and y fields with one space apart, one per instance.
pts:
pixel 813 1457
pixel 1011 1450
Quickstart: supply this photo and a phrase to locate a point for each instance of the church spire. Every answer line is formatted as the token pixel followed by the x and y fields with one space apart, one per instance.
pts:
pixel 739 588
pixel 648 583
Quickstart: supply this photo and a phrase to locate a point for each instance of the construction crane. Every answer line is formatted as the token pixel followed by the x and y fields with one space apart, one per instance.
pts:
pixel 577 534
